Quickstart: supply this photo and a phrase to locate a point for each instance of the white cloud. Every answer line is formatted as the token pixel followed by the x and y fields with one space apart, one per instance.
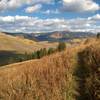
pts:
pixel 51 12
pixel 68 5
pixel 12 4
pixel 3 4
pixel 95 17
pixel 33 8
pixel 35 24
pixel 7 19
pixel 39 1
pixel 80 5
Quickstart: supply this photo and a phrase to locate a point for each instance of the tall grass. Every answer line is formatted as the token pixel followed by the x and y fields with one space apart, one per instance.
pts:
pixel 88 73
pixel 49 78
pixel 70 75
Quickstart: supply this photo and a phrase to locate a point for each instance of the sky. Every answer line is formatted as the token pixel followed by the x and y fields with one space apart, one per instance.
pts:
pixel 33 16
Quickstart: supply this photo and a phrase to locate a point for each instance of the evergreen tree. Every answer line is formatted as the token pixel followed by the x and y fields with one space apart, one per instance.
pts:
pixel 50 51
pixel 61 46
pixel 44 52
pixel 38 54
pixel 21 58
pixel 27 56
pixel 34 55
pixel 98 35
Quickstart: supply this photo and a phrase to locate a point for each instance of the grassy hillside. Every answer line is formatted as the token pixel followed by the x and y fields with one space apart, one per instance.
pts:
pixel 12 47
pixel 68 75
pixel 8 42
pixel 49 78
pixel 88 72
pixel 11 43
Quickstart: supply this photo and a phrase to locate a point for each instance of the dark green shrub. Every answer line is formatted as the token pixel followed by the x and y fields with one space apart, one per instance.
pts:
pixel 98 35
pixel 34 55
pixel 51 50
pixel 61 46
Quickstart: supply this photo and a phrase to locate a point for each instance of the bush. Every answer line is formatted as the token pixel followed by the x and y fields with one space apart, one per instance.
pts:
pixel 34 55
pixel 40 53
pixel 51 50
pixel 61 46
pixel 98 35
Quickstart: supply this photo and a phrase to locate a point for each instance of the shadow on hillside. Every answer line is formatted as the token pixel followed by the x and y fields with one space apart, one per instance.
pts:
pixel 82 74
pixel 8 57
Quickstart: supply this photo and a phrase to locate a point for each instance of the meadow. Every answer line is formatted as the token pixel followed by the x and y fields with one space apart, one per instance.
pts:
pixel 59 76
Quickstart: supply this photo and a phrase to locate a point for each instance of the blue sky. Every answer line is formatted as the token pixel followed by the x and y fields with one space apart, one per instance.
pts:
pixel 49 15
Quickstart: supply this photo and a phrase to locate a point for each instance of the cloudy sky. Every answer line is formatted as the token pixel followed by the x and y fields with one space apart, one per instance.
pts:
pixel 49 15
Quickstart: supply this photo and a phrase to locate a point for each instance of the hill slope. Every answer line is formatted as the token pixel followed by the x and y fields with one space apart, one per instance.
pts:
pixel 8 42
pixel 11 43
pixel 44 79
pixel 60 76
pixel 12 47
pixel 23 35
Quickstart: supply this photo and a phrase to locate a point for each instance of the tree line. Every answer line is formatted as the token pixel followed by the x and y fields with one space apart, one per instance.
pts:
pixel 38 54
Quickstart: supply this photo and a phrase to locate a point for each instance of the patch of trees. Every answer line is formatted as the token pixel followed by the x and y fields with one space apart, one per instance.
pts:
pixel 98 35
pixel 38 54
pixel 61 46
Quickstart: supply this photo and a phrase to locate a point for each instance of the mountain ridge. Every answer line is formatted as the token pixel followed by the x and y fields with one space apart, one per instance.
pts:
pixel 55 36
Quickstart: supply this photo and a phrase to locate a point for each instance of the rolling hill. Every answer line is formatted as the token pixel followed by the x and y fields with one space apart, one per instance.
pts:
pixel 44 79
pixel 12 47
pixel 12 43
pixel 9 43
pixel 23 35
pixel 60 76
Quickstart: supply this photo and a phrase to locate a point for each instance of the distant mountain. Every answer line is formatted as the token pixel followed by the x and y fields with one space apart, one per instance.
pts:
pixel 58 36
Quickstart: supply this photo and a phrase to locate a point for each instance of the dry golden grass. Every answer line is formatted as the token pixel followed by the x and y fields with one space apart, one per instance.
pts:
pixel 90 63
pixel 50 78
pixel 11 43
